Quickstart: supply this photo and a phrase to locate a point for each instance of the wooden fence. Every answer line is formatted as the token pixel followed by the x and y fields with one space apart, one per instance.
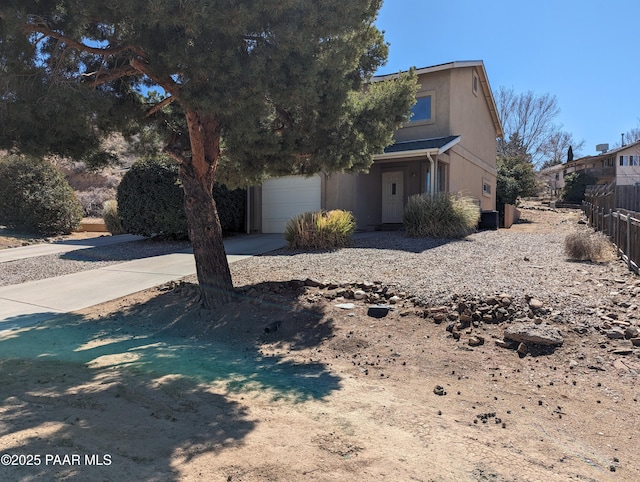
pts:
pixel 612 196
pixel 622 226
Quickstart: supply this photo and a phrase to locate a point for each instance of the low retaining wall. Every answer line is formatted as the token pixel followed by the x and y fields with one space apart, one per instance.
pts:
pixel 511 215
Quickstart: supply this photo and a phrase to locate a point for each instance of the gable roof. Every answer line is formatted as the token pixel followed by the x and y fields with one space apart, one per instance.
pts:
pixel 484 82
pixel 433 146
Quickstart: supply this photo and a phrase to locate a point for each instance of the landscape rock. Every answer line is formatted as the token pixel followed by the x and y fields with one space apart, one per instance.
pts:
pixel 378 311
pixel 346 306
pixel 614 334
pixel 439 390
pixel 522 349
pixel 534 334
pixel 359 294
pixel 535 304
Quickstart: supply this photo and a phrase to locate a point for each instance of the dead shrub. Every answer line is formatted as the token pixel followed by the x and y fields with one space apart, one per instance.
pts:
pixel 588 246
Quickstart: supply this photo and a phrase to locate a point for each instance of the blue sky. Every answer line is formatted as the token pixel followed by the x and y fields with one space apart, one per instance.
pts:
pixel 586 53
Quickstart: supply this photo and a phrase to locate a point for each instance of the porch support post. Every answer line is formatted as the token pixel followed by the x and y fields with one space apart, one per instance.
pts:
pixel 433 168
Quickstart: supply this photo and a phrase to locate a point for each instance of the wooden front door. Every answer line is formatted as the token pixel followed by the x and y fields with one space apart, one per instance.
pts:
pixel 392 197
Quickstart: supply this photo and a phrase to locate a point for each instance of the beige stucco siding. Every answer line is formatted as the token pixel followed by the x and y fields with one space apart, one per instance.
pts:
pixel 471 117
pixel 468 175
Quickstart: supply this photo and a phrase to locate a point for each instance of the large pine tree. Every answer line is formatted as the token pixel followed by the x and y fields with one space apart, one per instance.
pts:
pixel 247 89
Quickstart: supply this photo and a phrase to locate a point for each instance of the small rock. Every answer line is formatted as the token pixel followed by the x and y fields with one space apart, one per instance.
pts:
pixel 631 332
pixel 614 334
pixel 359 294
pixel 623 351
pixel 476 341
pixel 378 311
pixel 535 305
pixel 394 299
pixel 522 349
pixel 635 341
pixel 439 318
pixel 314 283
pixel 505 344
pixel 439 390
pixel 346 306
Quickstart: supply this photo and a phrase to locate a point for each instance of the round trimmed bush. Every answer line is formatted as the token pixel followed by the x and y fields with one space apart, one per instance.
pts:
pixel 35 197
pixel 151 201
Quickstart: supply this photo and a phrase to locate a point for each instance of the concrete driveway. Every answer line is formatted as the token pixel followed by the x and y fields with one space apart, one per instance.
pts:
pixel 35 301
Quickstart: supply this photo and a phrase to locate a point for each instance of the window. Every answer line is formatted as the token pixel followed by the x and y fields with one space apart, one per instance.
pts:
pixel 486 187
pixel 624 160
pixel 476 82
pixel 421 111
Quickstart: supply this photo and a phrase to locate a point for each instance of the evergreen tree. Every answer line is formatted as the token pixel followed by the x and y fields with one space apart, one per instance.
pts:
pixel 516 177
pixel 243 90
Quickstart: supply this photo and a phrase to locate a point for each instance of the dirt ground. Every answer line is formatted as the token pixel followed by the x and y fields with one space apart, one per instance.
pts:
pixel 13 239
pixel 284 385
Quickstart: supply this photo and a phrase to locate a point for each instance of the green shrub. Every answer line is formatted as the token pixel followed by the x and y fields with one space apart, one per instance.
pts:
pixel 588 246
pixel 231 205
pixel 320 230
pixel 575 185
pixel 110 217
pixel 151 201
pixel 440 216
pixel 34 196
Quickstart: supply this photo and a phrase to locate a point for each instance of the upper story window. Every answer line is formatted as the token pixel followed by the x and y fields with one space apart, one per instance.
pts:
pixel 421 111
pixel 476 83
pixel 629 160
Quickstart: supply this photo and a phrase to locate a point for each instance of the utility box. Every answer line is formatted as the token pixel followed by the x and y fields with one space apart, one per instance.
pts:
pixel 489 220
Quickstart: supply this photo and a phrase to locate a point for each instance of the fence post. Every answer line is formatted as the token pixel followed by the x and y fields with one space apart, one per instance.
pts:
pixel 618 233
pixel 610 228
pixel 628 247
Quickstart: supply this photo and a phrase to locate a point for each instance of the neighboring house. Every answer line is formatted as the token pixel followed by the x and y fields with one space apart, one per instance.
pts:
pixel 620 165
pixel 449 145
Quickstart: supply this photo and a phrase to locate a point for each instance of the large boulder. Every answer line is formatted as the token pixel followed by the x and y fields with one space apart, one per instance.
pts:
pixel 530 333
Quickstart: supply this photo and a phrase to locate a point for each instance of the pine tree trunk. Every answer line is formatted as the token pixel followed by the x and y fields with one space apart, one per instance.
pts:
pixel 197 173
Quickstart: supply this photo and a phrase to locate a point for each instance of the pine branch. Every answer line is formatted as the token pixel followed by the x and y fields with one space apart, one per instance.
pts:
pixel 102 77
pixel 165 102
pixel 43 28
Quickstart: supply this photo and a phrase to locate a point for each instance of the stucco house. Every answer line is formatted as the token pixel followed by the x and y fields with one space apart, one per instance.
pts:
pixel 620 165
pixel 448 145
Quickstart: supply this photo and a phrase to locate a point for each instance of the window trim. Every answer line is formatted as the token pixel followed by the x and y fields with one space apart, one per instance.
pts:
pixel 486 187
pixel 432 120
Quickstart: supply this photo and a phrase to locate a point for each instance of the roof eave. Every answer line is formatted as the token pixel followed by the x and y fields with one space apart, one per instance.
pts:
pixel 433 151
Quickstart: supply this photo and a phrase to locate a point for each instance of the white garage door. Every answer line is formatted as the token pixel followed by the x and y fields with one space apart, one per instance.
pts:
pixel 284 197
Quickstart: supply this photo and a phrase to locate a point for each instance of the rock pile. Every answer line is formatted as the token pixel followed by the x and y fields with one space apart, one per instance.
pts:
pixel 526 325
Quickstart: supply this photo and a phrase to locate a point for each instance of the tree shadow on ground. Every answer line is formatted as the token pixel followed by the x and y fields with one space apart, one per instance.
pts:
pixel 128 251
pixel 382 240
pixel 154 381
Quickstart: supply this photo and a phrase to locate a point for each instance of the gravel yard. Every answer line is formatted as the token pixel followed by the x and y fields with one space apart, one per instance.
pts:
pixel 521 262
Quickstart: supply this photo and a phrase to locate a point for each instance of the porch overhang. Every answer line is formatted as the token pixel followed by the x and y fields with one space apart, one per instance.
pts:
pixel 419 148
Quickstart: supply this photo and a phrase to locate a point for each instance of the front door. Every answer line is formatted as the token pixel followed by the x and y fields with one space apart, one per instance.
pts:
pixel 392 197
